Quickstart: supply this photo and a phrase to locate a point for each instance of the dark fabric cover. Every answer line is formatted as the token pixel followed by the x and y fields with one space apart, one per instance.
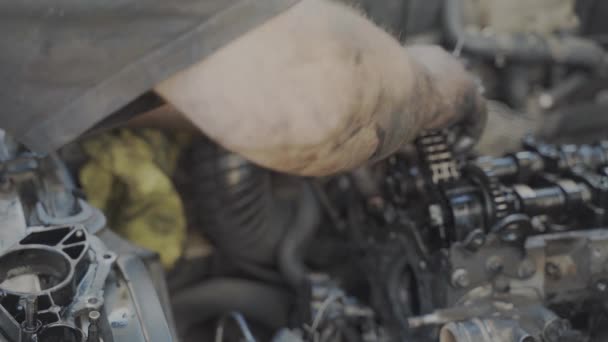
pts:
pixel 67 64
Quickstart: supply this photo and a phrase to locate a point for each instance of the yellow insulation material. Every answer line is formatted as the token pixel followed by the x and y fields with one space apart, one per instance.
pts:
pixel 128 177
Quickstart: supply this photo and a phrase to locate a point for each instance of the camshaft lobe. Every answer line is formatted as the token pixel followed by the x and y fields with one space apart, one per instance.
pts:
pixel 550 200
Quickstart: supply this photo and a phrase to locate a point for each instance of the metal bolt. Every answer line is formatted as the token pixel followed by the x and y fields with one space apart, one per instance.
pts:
pixel 494 264
pixel 31 309
pixel 475 240
pixel 601 285
pixel 460 278
pixel 510 233
pixel 526 269
pixel 552 270
pixel 29 327
pixel 93 331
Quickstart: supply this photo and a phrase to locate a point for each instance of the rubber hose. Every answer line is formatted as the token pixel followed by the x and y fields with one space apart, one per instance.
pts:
pixel 235 204
pixel 291 252
pixel 521 46
pixel 259 302
pixel 301 232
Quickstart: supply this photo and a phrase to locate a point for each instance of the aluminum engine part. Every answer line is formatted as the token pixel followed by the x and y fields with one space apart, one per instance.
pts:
pixel 62 270
pixel 63 275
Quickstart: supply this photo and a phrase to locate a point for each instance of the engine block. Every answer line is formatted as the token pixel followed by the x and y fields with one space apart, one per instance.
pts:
pixel 493 249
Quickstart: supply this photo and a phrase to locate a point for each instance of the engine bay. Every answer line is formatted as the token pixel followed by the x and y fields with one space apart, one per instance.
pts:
pixel 503 242
pixel 487 248
pixel 429 245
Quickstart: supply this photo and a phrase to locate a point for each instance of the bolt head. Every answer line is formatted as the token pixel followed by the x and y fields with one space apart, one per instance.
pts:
pixel 460 278
pixel 94 315
pixel 526 269
pixel 494 264
pixel 510 234
pixel 475 240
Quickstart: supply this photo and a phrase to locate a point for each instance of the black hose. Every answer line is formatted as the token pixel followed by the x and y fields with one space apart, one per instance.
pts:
pixel 301 232
pixel 259 272
pixel 259 302
pixel 235 205
pixel 291 252
pixel 524 47
pixel 189 272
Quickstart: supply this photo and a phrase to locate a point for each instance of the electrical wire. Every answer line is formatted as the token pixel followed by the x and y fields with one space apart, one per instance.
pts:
pixel 240 321
pixel 316 322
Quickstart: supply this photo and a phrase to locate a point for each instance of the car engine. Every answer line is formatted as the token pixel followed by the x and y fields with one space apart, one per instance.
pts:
pixel 504 243
pixel 460 248
pixel 428 245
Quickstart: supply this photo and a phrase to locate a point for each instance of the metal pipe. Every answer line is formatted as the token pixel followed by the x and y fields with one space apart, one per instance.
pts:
pixel 525 47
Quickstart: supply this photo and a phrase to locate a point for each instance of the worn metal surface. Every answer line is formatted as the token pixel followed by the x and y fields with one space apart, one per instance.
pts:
pixel 91 218
pixel 511 242
pixel 58 280
pixel 91 290
pixel 133 308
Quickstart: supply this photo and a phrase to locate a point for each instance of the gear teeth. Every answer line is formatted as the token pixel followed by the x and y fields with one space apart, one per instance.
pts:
pixel 437 155
pixel 499 195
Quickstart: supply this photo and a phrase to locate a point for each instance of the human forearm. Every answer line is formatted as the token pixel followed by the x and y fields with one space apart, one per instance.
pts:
pixel 317 90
